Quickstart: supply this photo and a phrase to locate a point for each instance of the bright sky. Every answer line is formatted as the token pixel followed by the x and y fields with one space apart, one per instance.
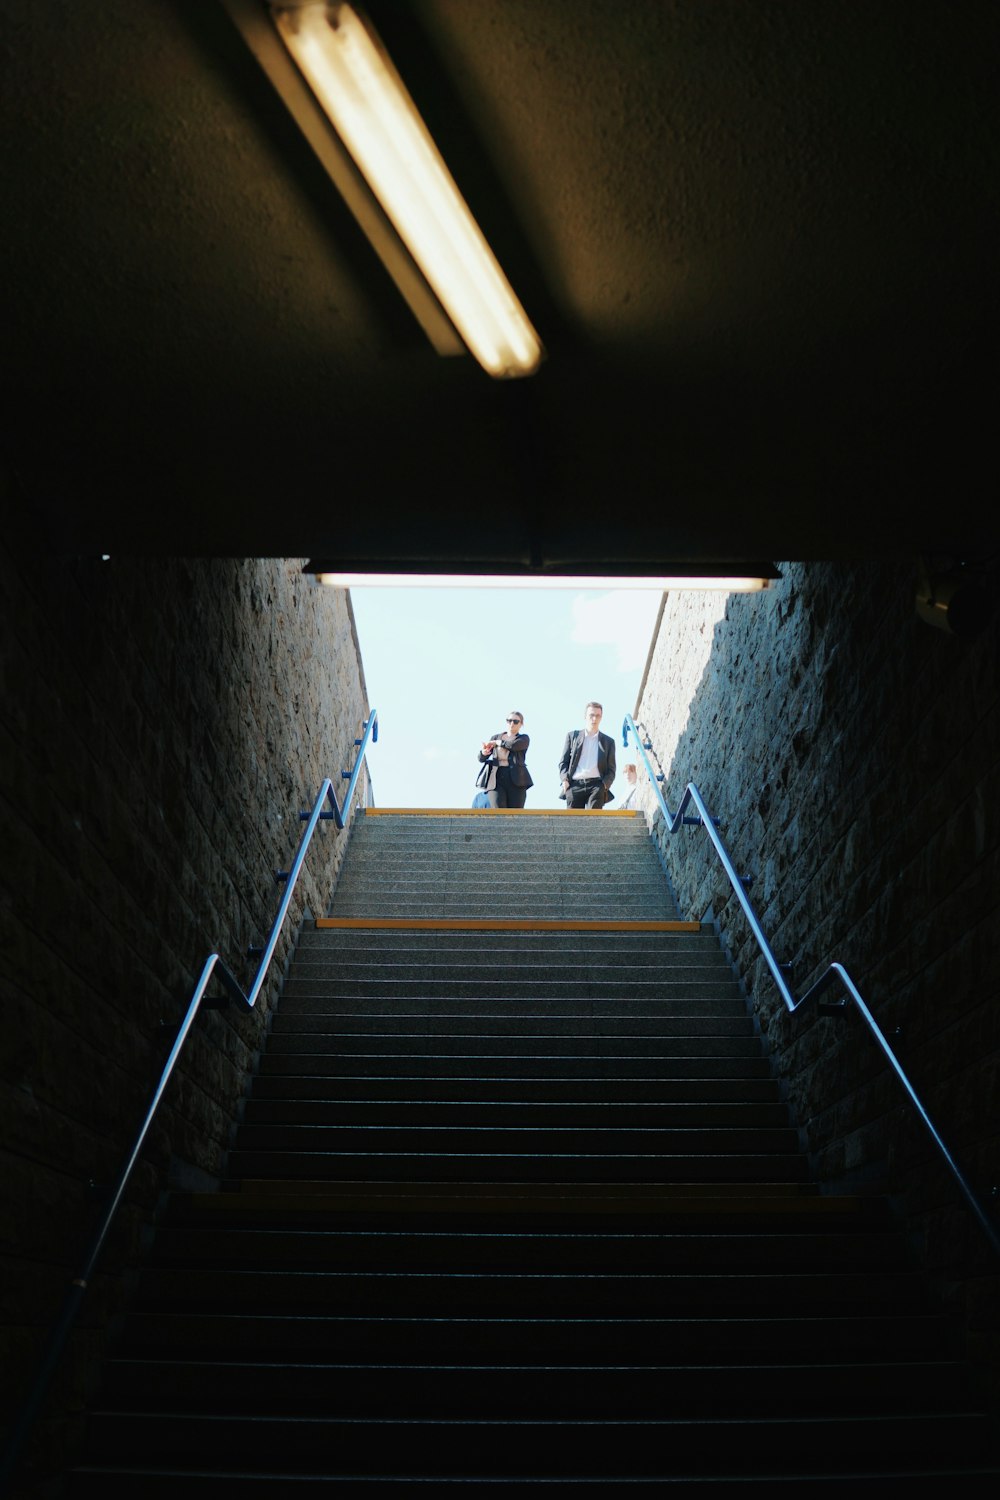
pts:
pixel 444 666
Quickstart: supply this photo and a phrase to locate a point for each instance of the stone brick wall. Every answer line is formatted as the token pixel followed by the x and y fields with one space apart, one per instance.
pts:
pixel 852 754
pixel 161 726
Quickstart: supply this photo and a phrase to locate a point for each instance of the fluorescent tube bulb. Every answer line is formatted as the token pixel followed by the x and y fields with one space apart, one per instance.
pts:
pixel 535 581
pixel 347 68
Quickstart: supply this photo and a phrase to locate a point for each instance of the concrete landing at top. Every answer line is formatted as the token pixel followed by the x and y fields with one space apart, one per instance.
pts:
pixel 499 812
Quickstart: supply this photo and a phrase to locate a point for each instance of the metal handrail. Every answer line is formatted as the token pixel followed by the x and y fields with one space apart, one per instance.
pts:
pixel 834 972
pixel 214 967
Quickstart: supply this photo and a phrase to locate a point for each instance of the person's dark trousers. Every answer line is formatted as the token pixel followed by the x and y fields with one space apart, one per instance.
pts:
pixel 504 793
pixel 586 794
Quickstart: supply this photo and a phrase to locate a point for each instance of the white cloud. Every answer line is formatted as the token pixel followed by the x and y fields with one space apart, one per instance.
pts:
pixel 622 618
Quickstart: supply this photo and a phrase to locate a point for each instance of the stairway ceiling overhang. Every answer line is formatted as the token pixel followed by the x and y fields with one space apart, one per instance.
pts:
pixel 758 240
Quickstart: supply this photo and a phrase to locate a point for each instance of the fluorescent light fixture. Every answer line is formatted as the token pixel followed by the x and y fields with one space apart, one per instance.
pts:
pixel 535 581
pixel 348 69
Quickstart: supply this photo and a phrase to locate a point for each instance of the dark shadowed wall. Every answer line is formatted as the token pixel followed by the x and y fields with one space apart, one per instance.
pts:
pixel 852 754
pixel 161 726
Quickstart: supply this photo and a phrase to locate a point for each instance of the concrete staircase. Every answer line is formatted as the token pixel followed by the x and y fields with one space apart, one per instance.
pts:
pixel 553 866
pixel 519 1205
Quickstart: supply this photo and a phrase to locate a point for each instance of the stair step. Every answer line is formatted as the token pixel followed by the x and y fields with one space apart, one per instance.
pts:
pixel 427 1197
pixel 471 1294
pixel 640 1018
pixel 487 908
pixel 517 951
pixel 457 1113
pixel 493 1249
pixel 596 1449
pixel 421 1390
pixel 520 948
pixel 699 1339
pixel 588 1208
pixel 563 1052
pixel 485 1067
pixel 164 1484
pixel 510 992
pixel 436 900
pixel 393 843
pixel 504 969
pixel 572 996
pixel 556 855
pixel 321 1032
pixel 586 881
pixel 551 1139
pixel 570 1167
pixel 331 1084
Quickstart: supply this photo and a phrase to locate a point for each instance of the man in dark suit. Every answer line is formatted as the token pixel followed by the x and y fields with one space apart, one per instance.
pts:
pixel 587 764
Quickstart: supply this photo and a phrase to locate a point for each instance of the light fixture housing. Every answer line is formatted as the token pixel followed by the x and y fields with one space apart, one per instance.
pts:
pixel 724 583
pixel 957 596
pixel 340 56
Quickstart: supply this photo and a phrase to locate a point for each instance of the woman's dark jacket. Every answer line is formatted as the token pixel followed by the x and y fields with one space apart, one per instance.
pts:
pixel 517 749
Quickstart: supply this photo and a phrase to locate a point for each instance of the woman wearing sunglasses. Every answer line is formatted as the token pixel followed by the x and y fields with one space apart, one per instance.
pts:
pixel 504 776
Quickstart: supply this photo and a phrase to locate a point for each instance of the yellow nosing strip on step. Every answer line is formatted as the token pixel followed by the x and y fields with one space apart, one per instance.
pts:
pixel 507 924
pixel 499 812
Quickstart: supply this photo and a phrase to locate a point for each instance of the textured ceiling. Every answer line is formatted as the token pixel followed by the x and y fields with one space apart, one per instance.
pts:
pixel 758 238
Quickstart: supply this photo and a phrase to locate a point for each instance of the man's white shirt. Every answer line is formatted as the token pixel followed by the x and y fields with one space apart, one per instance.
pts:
pixel 587 764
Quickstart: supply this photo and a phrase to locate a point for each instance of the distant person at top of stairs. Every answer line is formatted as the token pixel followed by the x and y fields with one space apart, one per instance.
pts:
pixel 587 763
pixel 631 775
pixel 504 777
